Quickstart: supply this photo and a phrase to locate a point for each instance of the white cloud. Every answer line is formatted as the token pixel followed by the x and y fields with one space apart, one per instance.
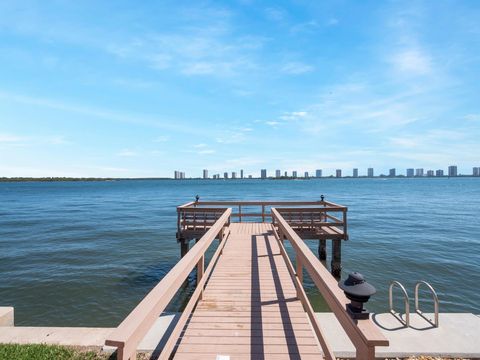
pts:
pixel 206 152
pixel 272 123
pixel 161 139
pixel 107 114
pixel 127 153
pixel 296 68
pixel 9 138
pixel 412 61
pixel 293 116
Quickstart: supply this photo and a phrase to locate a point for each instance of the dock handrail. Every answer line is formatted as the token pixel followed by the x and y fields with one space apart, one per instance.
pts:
pixel 363 333
pixel 297 277
pixel 134 327
pixel 435 301
pixel 195 217
pixel 406 300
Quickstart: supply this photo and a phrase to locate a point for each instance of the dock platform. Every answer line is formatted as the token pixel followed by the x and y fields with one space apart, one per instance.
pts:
pixel 249 301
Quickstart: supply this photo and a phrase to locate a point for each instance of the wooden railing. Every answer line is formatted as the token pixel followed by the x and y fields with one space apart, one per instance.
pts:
pixel 131 331
pixel 200 215
pixel 363 333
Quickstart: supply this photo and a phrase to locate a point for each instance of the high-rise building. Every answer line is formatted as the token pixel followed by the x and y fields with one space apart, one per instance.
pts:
pixel 241 174
pixel 263 173
pixel 294 174
pixel 205 174
pixel 278 173
pixel 392 173
pixel 476 171
pixel 430 173
pixel 318 173
pixel 370 172
pixel 286 174
pixel 225 175
pixel 306 175
pixel 234 175
pixel 179 175
pixel 250 176
pixel 355 172
pixel 410 172
pixel 439 173
pixel 338 173
pixel 419 172
pixel 452 170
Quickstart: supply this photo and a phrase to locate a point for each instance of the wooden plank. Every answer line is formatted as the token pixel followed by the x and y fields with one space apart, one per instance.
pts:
pixel 250 305
pixel 252 349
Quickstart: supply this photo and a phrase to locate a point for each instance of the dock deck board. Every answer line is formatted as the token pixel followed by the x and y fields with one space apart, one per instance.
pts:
pixel 249 309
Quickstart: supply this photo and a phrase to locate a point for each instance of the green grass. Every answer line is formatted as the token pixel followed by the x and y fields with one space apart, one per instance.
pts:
pixel 47 352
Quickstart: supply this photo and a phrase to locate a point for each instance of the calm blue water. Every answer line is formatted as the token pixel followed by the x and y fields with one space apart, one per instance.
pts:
pixel 85 253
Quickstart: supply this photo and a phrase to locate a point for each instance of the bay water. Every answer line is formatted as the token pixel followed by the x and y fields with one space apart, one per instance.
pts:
pixel 85 253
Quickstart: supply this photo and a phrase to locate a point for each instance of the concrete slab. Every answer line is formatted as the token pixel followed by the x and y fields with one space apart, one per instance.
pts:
pixel 91 337
pixel 159 333
pixel 6 316
pixel 153 341
pixel 457 336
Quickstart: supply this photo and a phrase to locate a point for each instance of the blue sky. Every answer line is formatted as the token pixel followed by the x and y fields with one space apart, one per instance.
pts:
pixel 140 89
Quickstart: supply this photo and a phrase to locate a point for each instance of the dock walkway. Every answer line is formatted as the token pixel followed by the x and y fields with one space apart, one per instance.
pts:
pixel 249 301
pixel 250 307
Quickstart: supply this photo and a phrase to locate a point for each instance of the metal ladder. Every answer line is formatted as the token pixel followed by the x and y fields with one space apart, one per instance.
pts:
pixel 406 300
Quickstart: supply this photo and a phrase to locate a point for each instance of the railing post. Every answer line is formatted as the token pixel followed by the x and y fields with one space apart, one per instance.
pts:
pixel 365 352
pixel 263 212
pixel 200 270
pixel 239 213
pixel 298 262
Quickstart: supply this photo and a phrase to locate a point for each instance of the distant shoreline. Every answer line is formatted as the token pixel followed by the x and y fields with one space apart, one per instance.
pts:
pixel 93 179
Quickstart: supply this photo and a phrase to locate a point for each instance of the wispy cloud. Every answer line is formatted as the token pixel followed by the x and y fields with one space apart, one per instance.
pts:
pixel 293 116
pixel 10 138
pixel 127 153
pixel 296 68
pixel 412 61
pixel 161 139
pixel 95 112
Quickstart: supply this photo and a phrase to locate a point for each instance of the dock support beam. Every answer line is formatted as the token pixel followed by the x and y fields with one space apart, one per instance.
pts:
pixel 322 249
pixel 183 247
pixel 336 264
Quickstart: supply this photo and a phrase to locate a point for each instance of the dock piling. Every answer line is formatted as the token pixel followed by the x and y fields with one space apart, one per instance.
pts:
pixel 183 247
pixel 322 249
pixel 336 263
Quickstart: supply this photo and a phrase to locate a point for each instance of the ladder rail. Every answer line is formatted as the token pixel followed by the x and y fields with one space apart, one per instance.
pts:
pixel 406 300
pixel 435 301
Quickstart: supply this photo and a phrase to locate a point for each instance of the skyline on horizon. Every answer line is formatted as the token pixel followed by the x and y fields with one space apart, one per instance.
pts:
pixel 120 90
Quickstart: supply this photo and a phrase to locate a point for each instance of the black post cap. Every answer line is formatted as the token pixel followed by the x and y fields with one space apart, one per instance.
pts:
pixel 356 285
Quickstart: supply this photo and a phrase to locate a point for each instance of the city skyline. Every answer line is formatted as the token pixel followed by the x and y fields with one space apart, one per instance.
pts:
pixel 236 85
pixel 451 171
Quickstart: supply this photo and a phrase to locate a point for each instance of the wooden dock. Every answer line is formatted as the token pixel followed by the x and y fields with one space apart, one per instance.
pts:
pixel 250 307
pixel 249 302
